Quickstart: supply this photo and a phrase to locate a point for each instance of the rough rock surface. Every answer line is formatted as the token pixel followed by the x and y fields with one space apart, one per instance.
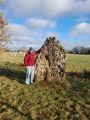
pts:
pixel 50 63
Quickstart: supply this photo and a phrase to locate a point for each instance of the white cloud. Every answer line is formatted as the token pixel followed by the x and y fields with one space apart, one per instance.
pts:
pixel 23 7
pixel 54 8
pixel 49 8
pixel 40 23
pixel 82 28
pixel 46 9
pixel 81 34
pixel 68 45
pixel 19 30
pixel 53 34
pixel 82 19
pixel 22 39
pixel 17 42
pixel 22 30
pixel 22 35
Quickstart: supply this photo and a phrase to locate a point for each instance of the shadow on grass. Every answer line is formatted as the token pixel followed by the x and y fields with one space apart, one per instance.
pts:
pixel 79 80
pixel 16 73
pixel 85 74
pixel 27 115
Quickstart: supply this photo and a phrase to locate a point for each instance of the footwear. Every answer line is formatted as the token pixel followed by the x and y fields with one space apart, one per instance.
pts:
pixel 27 84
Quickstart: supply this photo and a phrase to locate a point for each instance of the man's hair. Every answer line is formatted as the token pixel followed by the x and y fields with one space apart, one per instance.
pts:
pixel 31 48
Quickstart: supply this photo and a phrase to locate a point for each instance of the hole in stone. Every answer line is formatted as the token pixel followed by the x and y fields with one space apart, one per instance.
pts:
pixel 47 59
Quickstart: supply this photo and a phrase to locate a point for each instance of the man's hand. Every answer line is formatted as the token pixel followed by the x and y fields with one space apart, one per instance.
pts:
pixel 26 67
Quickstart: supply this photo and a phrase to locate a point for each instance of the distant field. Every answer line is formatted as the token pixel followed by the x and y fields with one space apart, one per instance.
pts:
pixel 74 62
pixel 77 62
pixel 69 100
pixel 12 57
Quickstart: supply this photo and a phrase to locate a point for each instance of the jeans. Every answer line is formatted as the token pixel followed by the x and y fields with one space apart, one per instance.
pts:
pixel 29 75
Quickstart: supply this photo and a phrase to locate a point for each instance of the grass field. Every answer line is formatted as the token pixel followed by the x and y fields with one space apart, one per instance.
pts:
pixel 69 100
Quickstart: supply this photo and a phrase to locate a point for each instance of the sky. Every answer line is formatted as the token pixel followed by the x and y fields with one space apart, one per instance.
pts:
pixel 32 21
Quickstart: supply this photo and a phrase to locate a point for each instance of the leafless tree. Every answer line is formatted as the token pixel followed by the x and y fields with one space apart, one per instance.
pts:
pixel 2 2
pixel 78 49
pixel 4 34
pixel 23 48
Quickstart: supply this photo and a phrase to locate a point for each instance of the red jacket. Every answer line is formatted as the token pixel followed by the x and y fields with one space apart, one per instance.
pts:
pixel 29 59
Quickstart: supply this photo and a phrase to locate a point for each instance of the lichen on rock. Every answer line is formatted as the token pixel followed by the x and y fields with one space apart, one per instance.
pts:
pixel 50 63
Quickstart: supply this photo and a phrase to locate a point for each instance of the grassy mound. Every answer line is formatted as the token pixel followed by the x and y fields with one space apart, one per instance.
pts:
pixel 69 100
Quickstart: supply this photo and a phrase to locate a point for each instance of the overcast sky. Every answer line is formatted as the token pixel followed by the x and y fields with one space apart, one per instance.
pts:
pixel 32 21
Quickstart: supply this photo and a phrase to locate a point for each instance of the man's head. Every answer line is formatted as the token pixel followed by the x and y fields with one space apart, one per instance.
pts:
pixel 31 49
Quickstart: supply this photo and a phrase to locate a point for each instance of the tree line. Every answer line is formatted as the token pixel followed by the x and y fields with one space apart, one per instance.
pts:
pixel 4 34
pixel 79 50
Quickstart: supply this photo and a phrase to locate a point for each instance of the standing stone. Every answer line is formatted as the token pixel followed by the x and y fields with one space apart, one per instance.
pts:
pixel 50 62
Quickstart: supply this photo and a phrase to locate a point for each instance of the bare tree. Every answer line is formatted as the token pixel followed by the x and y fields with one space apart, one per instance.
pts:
pixel 23 48
pixel 4 35
pixel 78 49
pixel 2 2
pixel 88 50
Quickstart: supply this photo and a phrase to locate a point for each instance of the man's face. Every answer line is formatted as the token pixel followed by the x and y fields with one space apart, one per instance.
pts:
pixel 31 51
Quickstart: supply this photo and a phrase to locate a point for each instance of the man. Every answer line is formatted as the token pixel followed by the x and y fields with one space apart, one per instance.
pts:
pixel 29 61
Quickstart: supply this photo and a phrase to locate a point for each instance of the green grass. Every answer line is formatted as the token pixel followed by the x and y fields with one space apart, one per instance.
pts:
pixel 78 63
pixel 12 57
pixel 69 100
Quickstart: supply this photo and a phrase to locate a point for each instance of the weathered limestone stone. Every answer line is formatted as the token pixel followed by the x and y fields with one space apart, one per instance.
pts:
pixel 50 62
